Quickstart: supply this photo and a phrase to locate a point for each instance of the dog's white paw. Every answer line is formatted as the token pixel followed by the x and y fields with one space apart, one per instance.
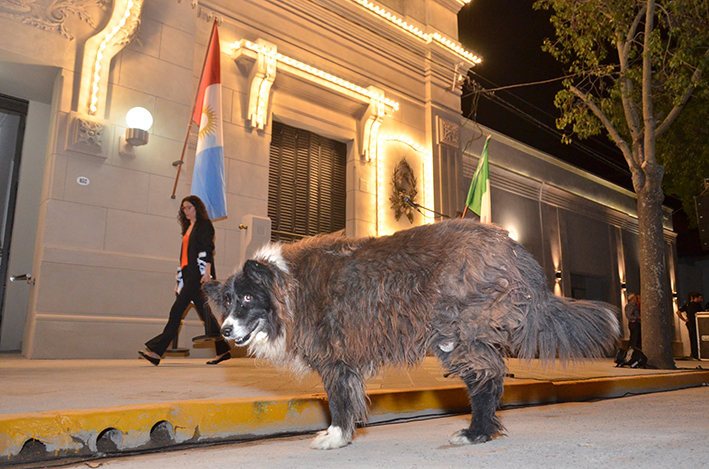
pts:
pixel 461 438
pixel 332 438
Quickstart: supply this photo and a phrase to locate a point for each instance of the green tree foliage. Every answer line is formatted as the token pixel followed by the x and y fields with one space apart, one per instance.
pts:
pixel 684 152
pixel 633 65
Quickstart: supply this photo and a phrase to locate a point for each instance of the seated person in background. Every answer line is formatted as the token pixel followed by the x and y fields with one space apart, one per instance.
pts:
pixel 632 313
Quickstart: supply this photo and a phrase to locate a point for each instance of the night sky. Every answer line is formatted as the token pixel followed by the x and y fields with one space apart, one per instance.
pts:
pixel 508 35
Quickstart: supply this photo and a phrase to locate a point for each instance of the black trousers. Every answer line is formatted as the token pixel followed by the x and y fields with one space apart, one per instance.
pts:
pixel 692 329
pixel 191 292
pixel 635 340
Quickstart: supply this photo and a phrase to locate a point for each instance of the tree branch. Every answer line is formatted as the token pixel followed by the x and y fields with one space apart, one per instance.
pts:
pixel 648 113
pixel 633 31
pixel 672 115
pixel 620 143
pixel 629 108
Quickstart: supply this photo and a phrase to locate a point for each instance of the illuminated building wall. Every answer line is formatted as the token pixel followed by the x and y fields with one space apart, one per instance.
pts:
pixel 384 78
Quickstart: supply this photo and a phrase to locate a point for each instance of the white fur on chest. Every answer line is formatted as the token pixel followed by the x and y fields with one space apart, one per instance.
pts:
pixel 275 351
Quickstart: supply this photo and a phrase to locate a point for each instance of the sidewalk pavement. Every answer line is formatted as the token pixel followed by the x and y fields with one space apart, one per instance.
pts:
pixel 85 408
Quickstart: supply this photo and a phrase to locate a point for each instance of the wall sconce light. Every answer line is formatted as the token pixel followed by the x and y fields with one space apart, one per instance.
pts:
pixel 623 286
pixel 139 120
pixel 557 275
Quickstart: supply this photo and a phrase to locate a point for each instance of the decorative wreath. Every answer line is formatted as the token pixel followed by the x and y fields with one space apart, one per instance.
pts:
pixel 403 184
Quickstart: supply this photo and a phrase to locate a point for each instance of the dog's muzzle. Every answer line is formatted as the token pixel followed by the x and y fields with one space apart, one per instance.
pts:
pixel 239 334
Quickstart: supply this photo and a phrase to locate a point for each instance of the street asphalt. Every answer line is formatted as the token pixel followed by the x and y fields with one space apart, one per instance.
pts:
pixel 53 409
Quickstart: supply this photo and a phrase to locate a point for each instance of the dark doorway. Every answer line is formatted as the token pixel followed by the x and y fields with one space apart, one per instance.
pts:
pixel 13 114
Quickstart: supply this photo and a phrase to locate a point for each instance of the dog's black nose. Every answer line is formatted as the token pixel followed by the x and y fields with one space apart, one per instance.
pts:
pixel 227 330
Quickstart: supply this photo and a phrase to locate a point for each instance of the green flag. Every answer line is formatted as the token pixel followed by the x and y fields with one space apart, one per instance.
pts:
pixel 479 193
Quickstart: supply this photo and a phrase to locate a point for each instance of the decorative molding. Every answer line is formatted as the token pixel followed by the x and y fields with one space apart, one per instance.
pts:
pixel 403 183
pixel 262 76
pixel 514 184
pixel 121 28
pixel 448 133
pixel 267 62
pixel 562 199
pixel 450 45
pixel 454 5
pixel 573 203
pixel 88 135
pixel 51 15
pixel 247 50
pixel 426 172
pixel 368 127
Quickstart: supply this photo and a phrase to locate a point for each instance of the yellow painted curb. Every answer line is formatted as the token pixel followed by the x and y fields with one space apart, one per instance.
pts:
pixel 599 388
pixel 66 432
pixel 76 432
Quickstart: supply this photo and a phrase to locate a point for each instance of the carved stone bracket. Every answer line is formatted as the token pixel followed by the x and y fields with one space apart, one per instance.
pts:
pixel 368 126
pixel 88 135
pixel 263 73
pixel 261 78
pixel 448 133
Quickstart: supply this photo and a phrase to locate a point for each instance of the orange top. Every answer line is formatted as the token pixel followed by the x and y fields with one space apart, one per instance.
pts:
pixel 185 243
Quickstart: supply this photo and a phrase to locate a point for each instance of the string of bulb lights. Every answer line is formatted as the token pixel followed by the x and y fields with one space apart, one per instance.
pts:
pixel 482 92
pixel 99 57
pixel 343 65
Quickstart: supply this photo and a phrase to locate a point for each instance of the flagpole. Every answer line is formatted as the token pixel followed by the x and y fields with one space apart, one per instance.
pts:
pixel 181 161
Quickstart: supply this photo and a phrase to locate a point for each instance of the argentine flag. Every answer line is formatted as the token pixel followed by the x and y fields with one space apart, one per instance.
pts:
pixel 208 181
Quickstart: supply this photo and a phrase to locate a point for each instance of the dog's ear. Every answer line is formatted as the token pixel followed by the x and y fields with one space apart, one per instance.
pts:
pixel 213 290
pixel 258 273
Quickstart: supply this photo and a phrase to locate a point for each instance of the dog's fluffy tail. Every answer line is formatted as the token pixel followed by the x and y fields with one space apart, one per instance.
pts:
pixel 567 329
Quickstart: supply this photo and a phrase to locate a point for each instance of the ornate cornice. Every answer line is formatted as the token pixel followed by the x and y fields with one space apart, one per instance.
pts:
pixel 52 15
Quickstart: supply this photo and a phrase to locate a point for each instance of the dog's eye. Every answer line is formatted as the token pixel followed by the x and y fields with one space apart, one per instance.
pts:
pixel 247 298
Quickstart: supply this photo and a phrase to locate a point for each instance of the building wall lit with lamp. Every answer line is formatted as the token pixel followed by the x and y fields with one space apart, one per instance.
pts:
pixel 380 78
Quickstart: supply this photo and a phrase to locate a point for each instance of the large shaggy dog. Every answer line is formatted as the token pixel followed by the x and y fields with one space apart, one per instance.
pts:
pixel 465 291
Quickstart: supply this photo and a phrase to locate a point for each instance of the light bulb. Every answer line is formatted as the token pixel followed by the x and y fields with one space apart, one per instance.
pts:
pixel 139 118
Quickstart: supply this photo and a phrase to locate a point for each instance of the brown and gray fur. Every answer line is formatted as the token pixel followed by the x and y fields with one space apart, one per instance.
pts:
pixel 464 291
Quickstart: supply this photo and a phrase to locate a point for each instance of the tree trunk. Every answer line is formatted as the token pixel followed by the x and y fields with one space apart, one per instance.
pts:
pixel 655 319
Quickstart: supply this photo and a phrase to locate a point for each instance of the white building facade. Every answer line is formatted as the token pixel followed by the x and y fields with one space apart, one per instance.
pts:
pixel 361 98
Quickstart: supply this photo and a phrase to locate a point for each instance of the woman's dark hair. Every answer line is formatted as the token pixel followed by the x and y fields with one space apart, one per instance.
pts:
pixel 199 208
pixel 693 295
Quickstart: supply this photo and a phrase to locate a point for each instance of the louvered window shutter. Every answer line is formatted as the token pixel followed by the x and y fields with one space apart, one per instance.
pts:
pixel 306 187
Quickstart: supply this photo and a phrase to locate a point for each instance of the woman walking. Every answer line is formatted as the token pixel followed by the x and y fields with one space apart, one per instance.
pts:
pixel 196 268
